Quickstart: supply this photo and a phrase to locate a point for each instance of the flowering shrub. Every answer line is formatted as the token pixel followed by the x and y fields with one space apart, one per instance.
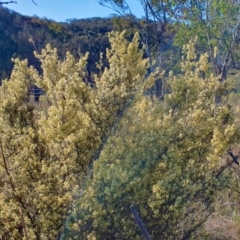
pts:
pixel 45 155
pixel 164 159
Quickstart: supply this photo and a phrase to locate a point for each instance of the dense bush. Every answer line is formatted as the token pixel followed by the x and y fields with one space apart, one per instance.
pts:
pixel 164 159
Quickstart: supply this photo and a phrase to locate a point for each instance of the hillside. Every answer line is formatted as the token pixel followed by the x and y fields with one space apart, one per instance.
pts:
pixel 22 35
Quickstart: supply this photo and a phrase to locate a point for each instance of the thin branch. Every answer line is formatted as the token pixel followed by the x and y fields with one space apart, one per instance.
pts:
pixel 129 16
pixel 23 224
pixel 223 168
pixel 234 158
pixel 15 2
pixel 17 197
pixel 1 3
pixel 140 223
pixel 189 233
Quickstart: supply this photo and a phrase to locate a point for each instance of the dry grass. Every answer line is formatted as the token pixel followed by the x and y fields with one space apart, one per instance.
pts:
pixel 41 105
pixel 224 224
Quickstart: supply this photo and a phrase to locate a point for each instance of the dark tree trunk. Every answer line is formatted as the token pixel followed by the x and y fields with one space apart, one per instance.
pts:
pixel 159 89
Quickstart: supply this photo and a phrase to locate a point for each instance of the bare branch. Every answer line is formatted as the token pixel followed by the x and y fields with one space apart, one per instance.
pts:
pixel 1 3
pixel 140 223
pixel 234 158
pixel 34 2
pixel 23 223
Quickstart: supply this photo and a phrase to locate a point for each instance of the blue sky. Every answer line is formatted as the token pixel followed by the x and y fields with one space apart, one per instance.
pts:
pixel 60 10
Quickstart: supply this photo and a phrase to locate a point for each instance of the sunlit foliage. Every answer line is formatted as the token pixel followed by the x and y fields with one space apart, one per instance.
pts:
pixel 44 155
pixel 164 159
pixel 72 170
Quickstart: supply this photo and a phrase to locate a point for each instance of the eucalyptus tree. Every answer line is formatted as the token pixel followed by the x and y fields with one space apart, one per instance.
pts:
pixel 216 24
pixel 158 17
